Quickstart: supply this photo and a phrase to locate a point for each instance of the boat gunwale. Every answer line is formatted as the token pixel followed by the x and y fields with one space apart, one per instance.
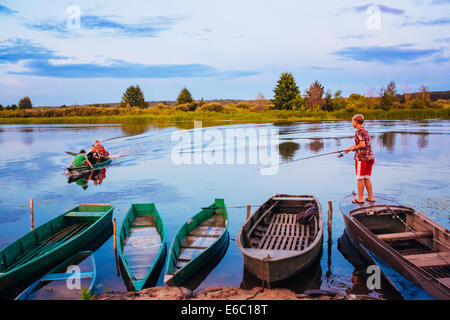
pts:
pixel 95 166
pixel 210 247
pixel 139 284
pixel 250 252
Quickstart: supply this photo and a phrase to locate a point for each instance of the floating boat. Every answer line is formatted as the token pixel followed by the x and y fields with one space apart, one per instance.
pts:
pixel 273 245
pixel 46 246
pixel 54 285
pixel 197 242
pixel 141 246
pixel 77 170
pixel 413 245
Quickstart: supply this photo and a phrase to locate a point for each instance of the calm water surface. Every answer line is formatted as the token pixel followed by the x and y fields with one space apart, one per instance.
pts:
pixel 412 166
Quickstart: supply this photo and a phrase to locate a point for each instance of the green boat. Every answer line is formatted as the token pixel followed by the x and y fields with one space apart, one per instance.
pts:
pixel 46 246
pixel 197 242
pixel 99 165
pixel 141 246
pixel 54 284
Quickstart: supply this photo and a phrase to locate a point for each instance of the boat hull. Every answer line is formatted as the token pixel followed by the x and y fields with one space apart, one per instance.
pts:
pixel 358 236
pixel 45 262
pixel 76 170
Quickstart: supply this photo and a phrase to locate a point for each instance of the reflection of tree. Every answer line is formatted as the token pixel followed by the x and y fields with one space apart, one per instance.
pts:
pixel 316 145
pixel 287 150
pixel 134 128
pixel 338 142
pixel 423 140
pixel 27 135
pixel 387 139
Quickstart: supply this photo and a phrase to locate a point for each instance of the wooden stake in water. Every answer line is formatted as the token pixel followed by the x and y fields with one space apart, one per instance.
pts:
pixel 114 231
pixel 248 211
pixel 32 214
pixel 330 219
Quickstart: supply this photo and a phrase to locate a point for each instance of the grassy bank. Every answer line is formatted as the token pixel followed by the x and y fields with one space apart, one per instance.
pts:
pixel 240 115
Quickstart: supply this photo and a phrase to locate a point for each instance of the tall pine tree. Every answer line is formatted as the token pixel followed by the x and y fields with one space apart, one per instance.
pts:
pixel 287 94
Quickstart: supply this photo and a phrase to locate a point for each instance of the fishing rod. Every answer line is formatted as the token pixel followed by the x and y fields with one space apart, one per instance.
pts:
pixel 339 152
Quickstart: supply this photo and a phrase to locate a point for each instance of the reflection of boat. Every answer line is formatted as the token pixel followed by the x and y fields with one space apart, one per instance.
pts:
pixel 82 179
pixel 51 243
pixel 197 242
pixel 142 245
pixel 78 170
pixel 273 245
pixel 407 241
pixel 308 279
pixel 61 282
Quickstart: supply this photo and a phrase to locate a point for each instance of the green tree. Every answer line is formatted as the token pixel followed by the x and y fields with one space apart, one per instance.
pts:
pixel 314 95
pixel 133 97
pixel 425 95
pixel 287 94
pixel 388 96
pixel 13 107
pixel 1 107
pixel 184 97
pixel 25 103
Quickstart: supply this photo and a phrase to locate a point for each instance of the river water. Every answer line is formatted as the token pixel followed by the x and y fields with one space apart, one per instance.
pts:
pixel 411 166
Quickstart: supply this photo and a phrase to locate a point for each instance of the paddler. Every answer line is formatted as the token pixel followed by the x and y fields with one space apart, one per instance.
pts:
pixel 81 160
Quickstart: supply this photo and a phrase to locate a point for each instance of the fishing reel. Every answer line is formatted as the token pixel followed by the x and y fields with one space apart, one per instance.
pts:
pixel 340 154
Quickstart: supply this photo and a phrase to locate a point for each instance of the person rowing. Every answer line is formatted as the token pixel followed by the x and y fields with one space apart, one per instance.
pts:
pixel 81 160
pixel 93 156
pixel 101 151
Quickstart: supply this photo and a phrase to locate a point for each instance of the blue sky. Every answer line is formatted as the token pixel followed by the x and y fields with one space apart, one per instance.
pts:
pixel 217 49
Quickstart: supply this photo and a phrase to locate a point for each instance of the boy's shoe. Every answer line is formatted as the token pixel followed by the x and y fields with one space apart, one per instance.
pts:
pixel 356 201
pixel 367 199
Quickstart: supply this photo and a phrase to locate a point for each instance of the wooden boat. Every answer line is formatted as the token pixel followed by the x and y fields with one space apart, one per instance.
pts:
pixel 197 242
pixel 273 245
pixel 415 246
pixel 141 246
pixel 77 170
pixel 51 243
pixel 54 284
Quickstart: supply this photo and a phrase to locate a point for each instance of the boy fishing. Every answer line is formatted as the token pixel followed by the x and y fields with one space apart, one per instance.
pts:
pixel 364 159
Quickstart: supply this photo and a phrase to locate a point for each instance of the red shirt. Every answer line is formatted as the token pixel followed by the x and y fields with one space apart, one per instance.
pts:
pixel 101 150
pixel 364 154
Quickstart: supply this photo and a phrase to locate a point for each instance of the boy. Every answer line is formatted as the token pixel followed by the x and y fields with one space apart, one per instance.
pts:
pixel 364 159
pixel 93 156
pixel 81 160
pixel 101 151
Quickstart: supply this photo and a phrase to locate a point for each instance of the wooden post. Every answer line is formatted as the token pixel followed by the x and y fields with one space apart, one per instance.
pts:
pixel 330 241
pixel 114 232
pixel 248 211
pixel 32 214
pixel 330 217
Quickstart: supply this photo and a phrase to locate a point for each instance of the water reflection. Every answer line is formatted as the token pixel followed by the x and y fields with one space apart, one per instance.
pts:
pixel 316 145
pixel 423 140
pixel 288 149
pixel 96 176
pixel 387 140
pixel 134 128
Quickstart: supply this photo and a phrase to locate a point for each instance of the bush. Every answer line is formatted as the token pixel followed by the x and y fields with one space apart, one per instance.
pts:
pixel 212 106
pixel 182 107
pixel 244 105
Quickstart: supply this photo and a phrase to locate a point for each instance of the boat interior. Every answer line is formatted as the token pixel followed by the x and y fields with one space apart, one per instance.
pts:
pixel 274 227
pixel 412 235
pixel 142 243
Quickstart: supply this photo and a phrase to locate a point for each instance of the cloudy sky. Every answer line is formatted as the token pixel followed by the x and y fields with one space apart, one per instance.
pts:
pixel 218 49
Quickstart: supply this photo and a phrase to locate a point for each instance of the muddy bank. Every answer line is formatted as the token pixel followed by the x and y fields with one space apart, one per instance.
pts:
pixel 228 293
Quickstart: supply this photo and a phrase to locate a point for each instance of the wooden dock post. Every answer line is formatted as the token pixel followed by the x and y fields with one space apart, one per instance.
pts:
pixel 330 237
pixel 32 214
pixel 248 211
pixel 114 232
pixel 330 217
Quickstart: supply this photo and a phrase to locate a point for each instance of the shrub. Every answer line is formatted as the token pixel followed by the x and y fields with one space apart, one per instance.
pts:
pixel 212 106
pixel 244 105
pixel 182 107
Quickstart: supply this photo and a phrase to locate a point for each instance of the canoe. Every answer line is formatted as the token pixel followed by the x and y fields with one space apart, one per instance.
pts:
pixel 54 284
pixel 273 245
pixel 197 243
pixel 46 246
pixel 141 246
pixel 99 165
pixel 410 243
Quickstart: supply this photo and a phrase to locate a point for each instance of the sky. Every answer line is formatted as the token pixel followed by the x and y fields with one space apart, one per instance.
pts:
pixel 82 52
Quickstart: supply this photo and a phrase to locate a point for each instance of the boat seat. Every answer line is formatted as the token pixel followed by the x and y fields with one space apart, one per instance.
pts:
pixel 445 281
pixel 405 235
pixel 429 259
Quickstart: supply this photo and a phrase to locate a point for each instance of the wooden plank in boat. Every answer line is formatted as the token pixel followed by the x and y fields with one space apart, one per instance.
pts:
pixel 189 253
pixel 198 241
pixel 429 259
pixel 404 235
pixel 207 231
pixel 144 221
pixel 293 199
pixel 216 220
pixel 445 281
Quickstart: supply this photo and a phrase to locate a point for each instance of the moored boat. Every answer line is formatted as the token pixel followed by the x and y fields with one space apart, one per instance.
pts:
pixel 141 246
pixel 410 243
pixel 274 245
pixel 197 242
pixel 65 282
pixel 46 246
pixel 77 170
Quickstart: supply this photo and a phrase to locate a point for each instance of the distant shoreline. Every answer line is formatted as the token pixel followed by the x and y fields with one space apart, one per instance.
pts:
pixel 141 115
